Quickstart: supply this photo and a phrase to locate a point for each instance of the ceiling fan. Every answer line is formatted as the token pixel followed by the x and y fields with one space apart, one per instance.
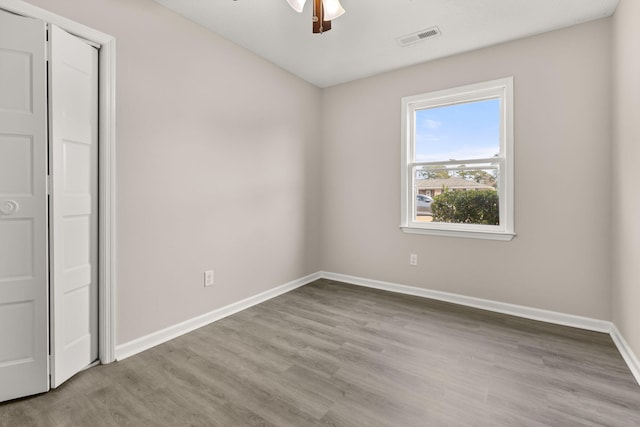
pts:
pixel 324 11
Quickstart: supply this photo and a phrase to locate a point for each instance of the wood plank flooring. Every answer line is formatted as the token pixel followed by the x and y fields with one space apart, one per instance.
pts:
pixel 331 354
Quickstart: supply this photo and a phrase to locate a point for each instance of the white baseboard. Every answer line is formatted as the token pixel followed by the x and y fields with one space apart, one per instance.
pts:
pixel 498 307
pixel 627 354
pixel 143 343
pixel 138 345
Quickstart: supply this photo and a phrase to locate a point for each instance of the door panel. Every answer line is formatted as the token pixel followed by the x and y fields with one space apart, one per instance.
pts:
pixel 23 208
pixel 17 96
pixel 73 98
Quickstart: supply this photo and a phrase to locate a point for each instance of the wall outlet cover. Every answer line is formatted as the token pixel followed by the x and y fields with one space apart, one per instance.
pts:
pixel 208 278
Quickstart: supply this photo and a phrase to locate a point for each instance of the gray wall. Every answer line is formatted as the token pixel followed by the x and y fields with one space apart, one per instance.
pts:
pixel 217 166
pixel 560 259
pixel 220 166
pixel 626 162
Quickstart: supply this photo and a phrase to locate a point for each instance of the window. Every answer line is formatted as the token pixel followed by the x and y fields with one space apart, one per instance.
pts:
pixel 457 161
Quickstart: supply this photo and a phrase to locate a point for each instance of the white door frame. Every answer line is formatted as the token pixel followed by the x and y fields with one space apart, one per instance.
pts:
pixel 106 162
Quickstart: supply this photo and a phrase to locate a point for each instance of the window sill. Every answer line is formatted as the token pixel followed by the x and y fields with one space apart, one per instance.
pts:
pixel 467 234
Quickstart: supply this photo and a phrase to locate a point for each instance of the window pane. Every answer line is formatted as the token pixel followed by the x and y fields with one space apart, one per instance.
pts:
pixel 459 131
pixel 461 195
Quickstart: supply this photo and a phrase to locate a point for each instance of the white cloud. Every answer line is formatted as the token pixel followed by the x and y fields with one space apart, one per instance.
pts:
pixel 432 124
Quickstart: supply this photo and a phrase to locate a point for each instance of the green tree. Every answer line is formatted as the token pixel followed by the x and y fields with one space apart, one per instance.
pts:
pixel 482 177
pixel 467 207
pixel 462 173
pixel 478 175
pixel 433 174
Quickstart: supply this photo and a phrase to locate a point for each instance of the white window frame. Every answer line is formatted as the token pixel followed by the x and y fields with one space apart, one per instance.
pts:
pixel 501 89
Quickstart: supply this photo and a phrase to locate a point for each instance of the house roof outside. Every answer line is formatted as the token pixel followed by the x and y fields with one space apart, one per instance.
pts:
pixel 453 183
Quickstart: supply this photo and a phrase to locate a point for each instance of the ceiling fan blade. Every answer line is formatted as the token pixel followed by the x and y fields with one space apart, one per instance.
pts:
pixel 332 9
pixel 296 5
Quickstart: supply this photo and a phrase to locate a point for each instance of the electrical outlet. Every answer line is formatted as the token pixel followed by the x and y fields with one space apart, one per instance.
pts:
pixel 413 259
pixel 208 278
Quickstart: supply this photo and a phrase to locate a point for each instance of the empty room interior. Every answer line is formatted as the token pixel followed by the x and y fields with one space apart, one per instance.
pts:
pixel 228 213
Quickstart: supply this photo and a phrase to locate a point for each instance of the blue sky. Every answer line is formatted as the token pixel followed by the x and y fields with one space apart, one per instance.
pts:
pixel 460 131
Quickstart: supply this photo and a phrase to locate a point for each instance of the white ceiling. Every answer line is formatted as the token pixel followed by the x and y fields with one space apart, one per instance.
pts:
pixel 363 42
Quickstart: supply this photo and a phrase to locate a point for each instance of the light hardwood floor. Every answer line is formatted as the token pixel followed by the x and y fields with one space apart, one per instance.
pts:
pixel 331 354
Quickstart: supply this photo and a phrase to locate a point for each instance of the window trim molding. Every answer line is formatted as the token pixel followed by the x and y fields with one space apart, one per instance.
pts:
pixel 490 89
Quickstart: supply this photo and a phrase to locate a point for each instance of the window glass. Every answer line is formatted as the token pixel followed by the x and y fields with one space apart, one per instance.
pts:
pixel 459 131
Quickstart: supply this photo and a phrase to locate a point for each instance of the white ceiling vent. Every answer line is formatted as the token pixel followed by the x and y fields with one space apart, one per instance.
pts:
pixel 418 36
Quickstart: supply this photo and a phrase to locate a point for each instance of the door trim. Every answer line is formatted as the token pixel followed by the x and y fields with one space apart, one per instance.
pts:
pixel 106 164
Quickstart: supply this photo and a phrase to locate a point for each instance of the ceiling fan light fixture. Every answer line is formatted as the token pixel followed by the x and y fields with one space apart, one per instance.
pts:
pixel 332 9
pixel 297 5
pixel 323 12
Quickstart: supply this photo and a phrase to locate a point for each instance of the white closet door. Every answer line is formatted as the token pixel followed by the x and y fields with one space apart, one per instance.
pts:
pixel 23 210
pixel 73 101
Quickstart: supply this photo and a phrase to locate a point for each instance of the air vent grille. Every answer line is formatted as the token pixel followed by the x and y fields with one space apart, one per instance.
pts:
pixel 410 39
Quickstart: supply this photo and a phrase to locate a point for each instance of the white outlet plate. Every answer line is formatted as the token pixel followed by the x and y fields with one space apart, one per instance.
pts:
pixel 208 278
pixel 413 259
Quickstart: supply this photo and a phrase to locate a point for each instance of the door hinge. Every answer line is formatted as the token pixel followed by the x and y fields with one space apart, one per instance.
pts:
pixel 49 184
